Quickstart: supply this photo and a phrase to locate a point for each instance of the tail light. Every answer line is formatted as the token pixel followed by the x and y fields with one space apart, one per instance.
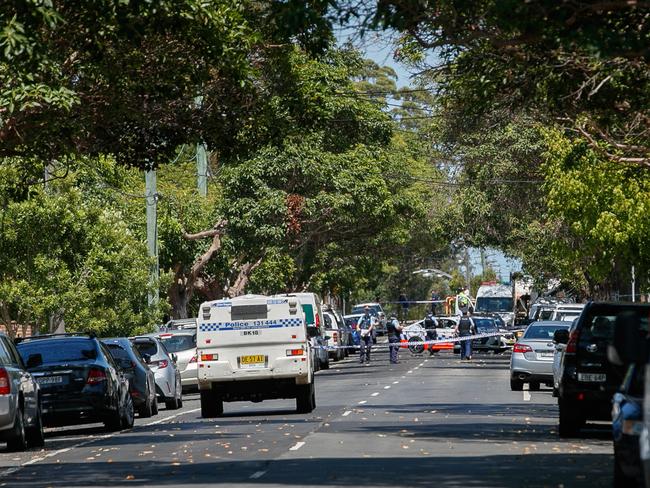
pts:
pixel 5 382
pixel 209 357
pixel 572 344
pixel 193 360
pixel 95 377
pixel 317 321
pixel 295 352
pixel 522 348
pixel 163 363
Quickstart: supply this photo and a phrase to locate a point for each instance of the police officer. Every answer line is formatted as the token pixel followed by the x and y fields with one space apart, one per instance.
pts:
pixel 430 325
pixel 465 327
pixel 394 331
pixel 365 327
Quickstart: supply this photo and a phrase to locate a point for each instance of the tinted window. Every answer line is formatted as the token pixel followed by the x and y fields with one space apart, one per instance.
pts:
pixel 146 347
pixel 485 325
pixel 118 351
pixel 249 312
pixel 5 356
pixel 543 331
pixel 599 323
pixel 176 343
pixel 494 304
pixel 59 350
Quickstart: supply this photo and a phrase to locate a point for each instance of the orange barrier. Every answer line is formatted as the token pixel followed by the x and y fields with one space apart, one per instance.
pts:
pixel 441 346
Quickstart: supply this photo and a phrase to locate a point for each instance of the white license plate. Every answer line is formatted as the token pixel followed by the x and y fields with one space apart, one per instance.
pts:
pixel 545 355
pixel 592 377
pixel 49 380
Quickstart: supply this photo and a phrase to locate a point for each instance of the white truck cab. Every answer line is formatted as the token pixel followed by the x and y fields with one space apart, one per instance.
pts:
pixel 253 348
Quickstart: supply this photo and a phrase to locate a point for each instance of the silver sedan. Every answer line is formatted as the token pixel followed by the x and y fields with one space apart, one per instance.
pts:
pixel 532 356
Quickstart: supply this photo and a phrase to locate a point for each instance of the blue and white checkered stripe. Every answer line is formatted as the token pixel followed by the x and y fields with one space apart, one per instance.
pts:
pixel 257 324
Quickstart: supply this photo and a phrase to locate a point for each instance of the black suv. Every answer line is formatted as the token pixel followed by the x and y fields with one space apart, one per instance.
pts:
pixel 79 381
pixel 588 380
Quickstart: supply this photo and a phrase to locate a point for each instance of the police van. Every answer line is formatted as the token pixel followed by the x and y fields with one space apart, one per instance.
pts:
pixel 253 348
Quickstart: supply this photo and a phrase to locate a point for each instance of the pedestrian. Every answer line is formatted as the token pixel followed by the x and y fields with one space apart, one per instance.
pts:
pixel 465 327
pixel 404 306
pixel 435 298
pixel 394 331
pixel 430 325
pixel 463 301
pixel 365 326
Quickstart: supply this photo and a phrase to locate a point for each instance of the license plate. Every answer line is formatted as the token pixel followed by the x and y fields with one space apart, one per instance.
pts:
pixel 592 377
pixel 545 355
pixel 49 380
pixel 252 361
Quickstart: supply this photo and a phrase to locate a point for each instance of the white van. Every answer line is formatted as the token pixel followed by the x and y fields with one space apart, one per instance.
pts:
pixel 253 348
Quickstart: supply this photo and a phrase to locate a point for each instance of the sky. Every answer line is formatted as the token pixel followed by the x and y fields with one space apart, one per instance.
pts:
pixel 379 48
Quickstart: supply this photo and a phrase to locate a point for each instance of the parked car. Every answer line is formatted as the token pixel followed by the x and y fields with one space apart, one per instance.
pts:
pixel 142 383
pixel 588 380
pixel 493 344
pixel 375 309
pixel 334 329
pixel 163 365
pixel 532 356
pixel 21 423
pixel 79 381
pixel 182 342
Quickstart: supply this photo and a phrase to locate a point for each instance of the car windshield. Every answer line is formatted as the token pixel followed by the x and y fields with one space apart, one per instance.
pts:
pixel 362 310
pixel 180 342
pixel 485 325
pixel 146 347
pixel 543 331
pixel 351 321
pixel 57 351
pixel 494 304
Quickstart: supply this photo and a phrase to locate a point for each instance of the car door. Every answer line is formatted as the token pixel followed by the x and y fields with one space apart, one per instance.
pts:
pixel 28 384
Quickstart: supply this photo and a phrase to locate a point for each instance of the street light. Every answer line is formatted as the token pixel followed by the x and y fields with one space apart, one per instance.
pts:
pixel 429 272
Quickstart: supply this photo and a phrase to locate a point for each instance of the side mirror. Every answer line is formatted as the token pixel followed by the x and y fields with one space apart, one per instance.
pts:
pixel 174 357
pixel 34 361
pixel 147 358
pixel 630 342
pixel 313 331
pixel 561 336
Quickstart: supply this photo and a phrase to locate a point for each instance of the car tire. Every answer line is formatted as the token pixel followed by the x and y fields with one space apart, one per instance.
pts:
pixel 35 435
pixel 113 422
pixel 211 404
pixel 516 385
pixel 570 420
pixel 18 439
pixel 621 480
pixel 533 386
pixel 306 398
pixel 325 364
pixel 146 410
pixel 128 413
pixel 172 404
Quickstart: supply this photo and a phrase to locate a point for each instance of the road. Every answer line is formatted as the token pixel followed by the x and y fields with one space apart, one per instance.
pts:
pixel 424 422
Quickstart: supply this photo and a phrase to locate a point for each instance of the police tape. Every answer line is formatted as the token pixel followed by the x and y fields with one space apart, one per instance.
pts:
pixel 410 343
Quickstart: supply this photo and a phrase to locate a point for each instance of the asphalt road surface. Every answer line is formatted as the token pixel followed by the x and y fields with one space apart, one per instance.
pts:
pixel 424 422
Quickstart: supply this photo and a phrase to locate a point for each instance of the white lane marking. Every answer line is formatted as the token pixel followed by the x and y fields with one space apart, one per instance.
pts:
pixel 421 364
pixel 375 393
pixel 257 474
pixel 395 382
pixel 526 393
pixel 346 413
pixel 409 372
pixel 425 360
pixel 85 443
pixel 297 446
pixel 362 402
pixel 387 387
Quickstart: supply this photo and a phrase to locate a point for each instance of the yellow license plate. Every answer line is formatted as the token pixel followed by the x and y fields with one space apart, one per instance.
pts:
pixel 253 359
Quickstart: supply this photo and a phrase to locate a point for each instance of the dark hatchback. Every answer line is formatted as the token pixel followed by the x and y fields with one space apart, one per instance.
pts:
pixel 142 383
pixel 79 381
pixel 588 380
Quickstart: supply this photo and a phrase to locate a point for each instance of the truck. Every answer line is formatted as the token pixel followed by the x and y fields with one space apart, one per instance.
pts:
pixel 506 301
pixel 253 348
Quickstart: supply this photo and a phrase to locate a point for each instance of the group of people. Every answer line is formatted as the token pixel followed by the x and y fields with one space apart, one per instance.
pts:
pixel 367 322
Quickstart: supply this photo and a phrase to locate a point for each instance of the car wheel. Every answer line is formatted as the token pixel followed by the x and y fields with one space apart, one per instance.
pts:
pixel 154 406
pixel 113 422
pixel 570 419
pixel 306 398
pixel 146 410
pixel 18 439
pixel 621 480
pixel 211 404
pixel 34 434
pixel 128 413
pixel 533 386
pixel 516 385
pixel 172 404
pixel 416 348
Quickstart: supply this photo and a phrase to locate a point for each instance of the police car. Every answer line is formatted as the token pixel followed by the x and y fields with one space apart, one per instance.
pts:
pixel 253 348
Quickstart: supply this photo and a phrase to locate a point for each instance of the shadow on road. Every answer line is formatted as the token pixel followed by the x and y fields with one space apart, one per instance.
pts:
pixel 532 470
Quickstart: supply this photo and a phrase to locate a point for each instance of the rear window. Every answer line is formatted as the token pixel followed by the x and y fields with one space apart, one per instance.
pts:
pixel 117 351
pixel 543 331
pixel 249 312
pixel 147 347
pixel 361 310
pixel 57 351
pixel 330 323
pixel 180 342
pixel 599 323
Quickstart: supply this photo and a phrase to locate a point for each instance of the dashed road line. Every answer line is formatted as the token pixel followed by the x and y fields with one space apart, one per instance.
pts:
pixel 362 402
pixel 395 382
pixel 387 387
pixel 257 474
pixel 346 413
pixel 526 393
pixel 374 394
pixel 297 446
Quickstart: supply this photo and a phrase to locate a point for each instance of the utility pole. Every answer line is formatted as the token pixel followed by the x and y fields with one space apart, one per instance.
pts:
pixel 483 262
pixel 151 199
pixel 202 169
pixel 468 269
pixel 633 283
